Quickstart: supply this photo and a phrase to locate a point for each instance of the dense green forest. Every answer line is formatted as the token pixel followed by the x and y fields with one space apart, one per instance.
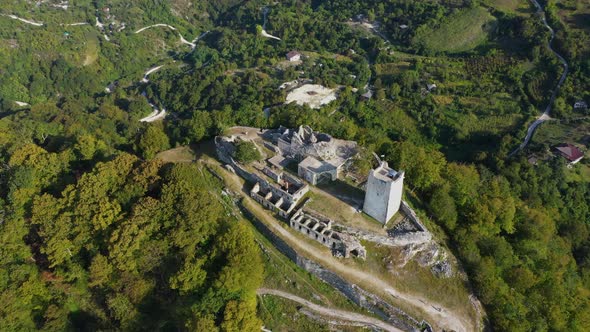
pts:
pixel 97 234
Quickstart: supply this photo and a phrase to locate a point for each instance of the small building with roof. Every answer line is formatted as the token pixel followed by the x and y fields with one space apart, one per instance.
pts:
pixel 580 105
pixel 569 152
pixel 293 56
pixel 315 171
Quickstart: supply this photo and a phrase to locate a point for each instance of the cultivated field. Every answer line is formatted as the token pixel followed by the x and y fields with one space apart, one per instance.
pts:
pixel 461 32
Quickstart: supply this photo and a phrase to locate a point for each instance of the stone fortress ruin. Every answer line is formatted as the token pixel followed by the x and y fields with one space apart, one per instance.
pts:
pixel 282 195
pixel 320 158
pixel 319 228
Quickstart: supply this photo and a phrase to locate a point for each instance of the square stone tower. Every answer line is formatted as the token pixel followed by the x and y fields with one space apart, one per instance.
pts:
pixel 384 192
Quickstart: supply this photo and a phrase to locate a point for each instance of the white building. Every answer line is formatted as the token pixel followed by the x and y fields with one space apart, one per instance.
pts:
pixel 384 193
pixel 293 56
pixel 315 171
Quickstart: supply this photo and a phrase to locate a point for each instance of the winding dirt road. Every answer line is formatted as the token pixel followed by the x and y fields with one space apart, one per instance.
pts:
pixel 330 312
pixel 14 17
pixel 156 25
pixel 192 43
pixel 149 71
pixel 267 35
pixel 263 32
pixel 545 116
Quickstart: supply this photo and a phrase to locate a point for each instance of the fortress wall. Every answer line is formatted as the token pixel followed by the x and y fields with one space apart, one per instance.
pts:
pixel 359 296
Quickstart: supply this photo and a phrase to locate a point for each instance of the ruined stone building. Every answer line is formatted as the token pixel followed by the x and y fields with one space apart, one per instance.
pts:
pixel 320 229
pixel 315 171
pixel 320 156
pixel 281 196
pixel 383 193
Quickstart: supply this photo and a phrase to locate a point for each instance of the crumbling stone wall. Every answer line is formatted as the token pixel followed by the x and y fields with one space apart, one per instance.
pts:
pixel 391 241
pixel 417 235
pixel 411 214
pixel 359 296
pixel 320 229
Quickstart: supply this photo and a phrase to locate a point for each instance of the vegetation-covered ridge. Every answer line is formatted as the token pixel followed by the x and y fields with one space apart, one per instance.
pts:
pixel 130 245
pixel 96 234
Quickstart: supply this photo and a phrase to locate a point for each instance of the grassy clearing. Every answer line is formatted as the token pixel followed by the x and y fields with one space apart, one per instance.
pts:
pixel 442 100
pixel 392 68
pixel 283 315
pixel 183 154
pixel 412 278
pixel 511 6
pixel 578 173
pixel 460 32
pixel 341 212
pixel 91 53
pixel 555 132
pixel 577 16
pixel 470 123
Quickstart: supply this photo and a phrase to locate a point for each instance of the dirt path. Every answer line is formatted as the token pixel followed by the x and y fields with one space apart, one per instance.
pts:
pixel 150 71
pixel 263 32
pixel 267 35
pixel 98 24
pixel 330 312
pixel 545 116
pixel 76 24
pixel 192 44
pixel 21 103
pixel 14 17
pixel 156 25
pixel 155 115
pixel 434 313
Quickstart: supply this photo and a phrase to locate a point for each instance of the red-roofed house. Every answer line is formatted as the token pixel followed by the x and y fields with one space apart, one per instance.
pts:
pixel 570 152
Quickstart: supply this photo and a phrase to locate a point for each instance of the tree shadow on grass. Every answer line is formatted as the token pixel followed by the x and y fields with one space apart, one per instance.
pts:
pixel 344 191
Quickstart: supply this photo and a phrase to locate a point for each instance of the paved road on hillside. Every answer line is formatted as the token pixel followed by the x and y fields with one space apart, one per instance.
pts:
pixel 545 116
pixel 330 312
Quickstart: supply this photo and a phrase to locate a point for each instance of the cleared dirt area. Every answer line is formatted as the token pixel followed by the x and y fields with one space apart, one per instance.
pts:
pixel 313 95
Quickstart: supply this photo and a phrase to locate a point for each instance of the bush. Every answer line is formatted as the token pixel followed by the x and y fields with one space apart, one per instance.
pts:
pixel 152 141
pixel 246 152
